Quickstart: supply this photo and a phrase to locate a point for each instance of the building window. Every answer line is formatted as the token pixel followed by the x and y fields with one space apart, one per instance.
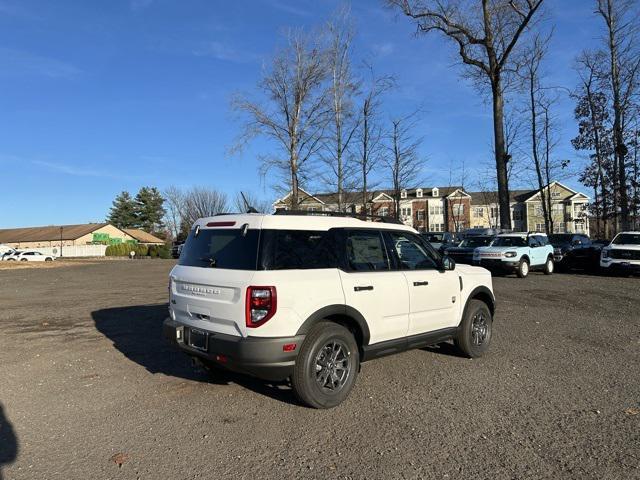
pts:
pixel 538 211
pixel 457 210
pixel 420 215
pixel 384 212
pixel 517 214
pixel 559 227
pixel 419 193
pixel 403 194
pixel 478 212
pixel 539 227
pixel 494 212
pixel 555 194
pixel 435 210
pixel 557 208
pixel 405 211
pixel 435 192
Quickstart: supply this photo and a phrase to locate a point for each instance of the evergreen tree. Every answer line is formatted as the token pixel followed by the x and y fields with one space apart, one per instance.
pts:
pixel 149 209
pixel 123 211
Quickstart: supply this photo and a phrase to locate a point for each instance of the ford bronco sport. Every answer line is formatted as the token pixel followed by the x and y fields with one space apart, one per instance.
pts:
pixel 517 252
pixel 308 298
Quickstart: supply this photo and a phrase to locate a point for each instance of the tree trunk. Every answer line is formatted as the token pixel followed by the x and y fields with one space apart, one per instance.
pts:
pixel 500 154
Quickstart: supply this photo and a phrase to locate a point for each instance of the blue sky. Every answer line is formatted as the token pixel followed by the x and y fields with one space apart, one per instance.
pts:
pixel 97 97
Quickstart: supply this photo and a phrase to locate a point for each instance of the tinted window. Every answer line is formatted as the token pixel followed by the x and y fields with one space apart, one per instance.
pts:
pixel 586 241
pixel 297 249
pixel 412 254
pixel 472 242
pixel 434 237
pixel 221 248
pixel 560 238
pixel 509 242
pixel 365 251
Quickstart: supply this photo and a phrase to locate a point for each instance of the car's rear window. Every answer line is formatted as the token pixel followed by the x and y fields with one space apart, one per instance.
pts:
pixel 470 242
pixel 509 242
pixel 297 249
pixel 233 249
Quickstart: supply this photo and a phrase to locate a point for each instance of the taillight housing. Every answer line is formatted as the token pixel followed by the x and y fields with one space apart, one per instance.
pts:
pixel 261 305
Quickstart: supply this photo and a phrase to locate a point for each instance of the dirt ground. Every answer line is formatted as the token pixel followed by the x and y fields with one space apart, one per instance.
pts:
pixel 89 389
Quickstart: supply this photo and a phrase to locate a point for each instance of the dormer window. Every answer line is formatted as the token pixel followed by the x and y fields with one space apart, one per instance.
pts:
pixel 435 192
pixel 419 193
pixel 403 194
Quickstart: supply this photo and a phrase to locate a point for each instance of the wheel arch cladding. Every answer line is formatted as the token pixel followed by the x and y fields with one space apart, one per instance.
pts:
pixel 526 257
pixel 484 295
pixel 343 315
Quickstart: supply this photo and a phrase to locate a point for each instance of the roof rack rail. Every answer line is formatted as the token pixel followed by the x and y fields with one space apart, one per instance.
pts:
pixel 359 216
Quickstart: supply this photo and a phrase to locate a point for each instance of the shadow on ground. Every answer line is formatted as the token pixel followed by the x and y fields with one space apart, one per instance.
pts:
pixel 8 441
pixel 136 331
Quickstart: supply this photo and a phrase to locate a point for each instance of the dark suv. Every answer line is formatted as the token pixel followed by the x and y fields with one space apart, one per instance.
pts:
pixel 574 251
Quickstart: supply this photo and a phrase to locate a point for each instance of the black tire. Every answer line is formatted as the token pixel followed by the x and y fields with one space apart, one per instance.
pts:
pixel 329 386
pixel 523 268
pixel 476 329
pixel 549 266
pixel 48 259
pixel 23 260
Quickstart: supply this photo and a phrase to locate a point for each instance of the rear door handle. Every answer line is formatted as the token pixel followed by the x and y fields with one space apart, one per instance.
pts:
pixel 360 289
pixel 420 284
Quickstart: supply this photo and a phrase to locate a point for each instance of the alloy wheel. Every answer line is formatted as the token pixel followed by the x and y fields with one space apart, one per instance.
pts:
pixel 333 365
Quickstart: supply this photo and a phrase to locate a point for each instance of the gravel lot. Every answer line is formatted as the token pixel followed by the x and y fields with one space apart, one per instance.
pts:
pixel 88 389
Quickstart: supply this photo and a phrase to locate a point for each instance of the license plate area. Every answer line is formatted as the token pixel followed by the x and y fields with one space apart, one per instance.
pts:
pixel 198 339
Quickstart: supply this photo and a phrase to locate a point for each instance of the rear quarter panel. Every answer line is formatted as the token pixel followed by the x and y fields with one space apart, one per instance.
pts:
pixel 300 293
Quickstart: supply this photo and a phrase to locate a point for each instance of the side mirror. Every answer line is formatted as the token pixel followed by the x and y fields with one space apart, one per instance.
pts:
pixel 448 263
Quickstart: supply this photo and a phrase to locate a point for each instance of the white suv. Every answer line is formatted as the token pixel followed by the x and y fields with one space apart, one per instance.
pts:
pixel 311 297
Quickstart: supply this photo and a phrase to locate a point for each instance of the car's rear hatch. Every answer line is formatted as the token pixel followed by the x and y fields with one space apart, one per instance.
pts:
pixel 217 263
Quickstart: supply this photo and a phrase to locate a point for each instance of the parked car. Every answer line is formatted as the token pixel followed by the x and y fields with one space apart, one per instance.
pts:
pixel 517 252
pixel 463 252
pixel 623 254
pixel 7 253
pixel 574 251
pixel 481 232
pixel 176 250
pixel 439 240
pixel 29 256
pixel 311 297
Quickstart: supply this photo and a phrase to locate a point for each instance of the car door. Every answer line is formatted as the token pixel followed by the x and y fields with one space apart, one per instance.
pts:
pixel 536 252
pixel 371 287
pixel 434 294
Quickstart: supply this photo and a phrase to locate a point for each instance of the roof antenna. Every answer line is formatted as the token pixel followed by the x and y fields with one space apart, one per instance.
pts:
pixel 249 208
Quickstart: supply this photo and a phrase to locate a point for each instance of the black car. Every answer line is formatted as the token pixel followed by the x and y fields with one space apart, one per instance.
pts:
pixel 439 240
pixel 463 252
pixel 575 251
pixel 176 250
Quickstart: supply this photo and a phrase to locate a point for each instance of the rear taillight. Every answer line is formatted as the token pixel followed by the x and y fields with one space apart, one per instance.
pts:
pixel 260 305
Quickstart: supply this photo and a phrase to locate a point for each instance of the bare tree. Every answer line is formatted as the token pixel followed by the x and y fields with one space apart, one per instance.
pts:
pixel 174 202
pixel 403 161
pixel 203 202
pixel 456 205
pixel 592 115
pixel 486 33
pixel 295 115
pixel 344 120
pixel 620 17
pixel 370 134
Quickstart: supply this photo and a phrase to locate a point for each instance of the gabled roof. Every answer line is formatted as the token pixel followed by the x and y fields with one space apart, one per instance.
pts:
pixel 48 233
pixel 142 236
pixel 300 190
pixel 486 198
pixel 536 192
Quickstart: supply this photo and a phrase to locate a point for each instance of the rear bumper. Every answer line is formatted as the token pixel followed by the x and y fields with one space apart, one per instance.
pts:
pixel 261 357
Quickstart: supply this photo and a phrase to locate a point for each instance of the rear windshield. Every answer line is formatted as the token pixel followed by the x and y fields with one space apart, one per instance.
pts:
pixel 221 248
pixel 627 239
pixel 509 242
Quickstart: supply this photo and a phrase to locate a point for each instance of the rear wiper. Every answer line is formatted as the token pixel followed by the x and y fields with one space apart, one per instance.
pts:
pixel 209 260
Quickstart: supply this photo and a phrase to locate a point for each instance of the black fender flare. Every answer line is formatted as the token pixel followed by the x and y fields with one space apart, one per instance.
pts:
pixel 484 293
pixel 337 310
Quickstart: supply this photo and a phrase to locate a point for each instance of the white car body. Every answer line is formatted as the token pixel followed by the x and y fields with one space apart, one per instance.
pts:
pixel 29 256
pixel 623 253
pixel 388 308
